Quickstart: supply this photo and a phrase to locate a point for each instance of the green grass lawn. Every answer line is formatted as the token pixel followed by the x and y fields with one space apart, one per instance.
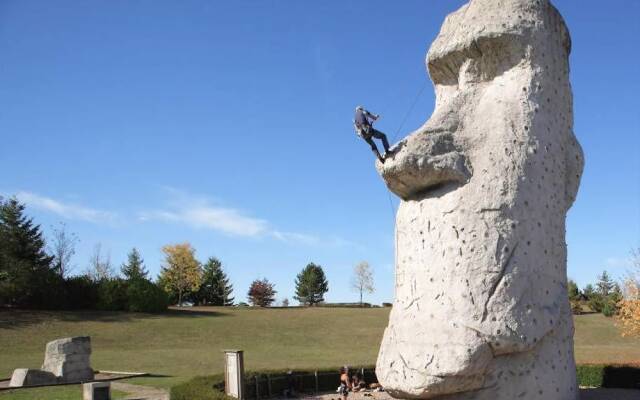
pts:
pixel 179 344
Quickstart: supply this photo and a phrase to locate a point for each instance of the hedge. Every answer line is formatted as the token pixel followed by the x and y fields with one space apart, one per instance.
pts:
pixel 273 383
pixel 201 388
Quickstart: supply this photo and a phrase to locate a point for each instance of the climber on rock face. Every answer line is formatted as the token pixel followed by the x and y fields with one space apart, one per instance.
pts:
pixel 362 123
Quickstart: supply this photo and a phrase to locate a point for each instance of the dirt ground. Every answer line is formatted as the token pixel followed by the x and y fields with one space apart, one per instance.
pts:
pixel 585 394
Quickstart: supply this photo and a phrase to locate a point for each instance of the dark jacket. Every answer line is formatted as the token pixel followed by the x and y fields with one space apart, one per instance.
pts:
pixel 363 118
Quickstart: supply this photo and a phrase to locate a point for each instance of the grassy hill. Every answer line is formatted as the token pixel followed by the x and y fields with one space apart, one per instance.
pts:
pixel 181 344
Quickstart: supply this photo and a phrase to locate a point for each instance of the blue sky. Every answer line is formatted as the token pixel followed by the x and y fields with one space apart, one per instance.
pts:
pixel 228 124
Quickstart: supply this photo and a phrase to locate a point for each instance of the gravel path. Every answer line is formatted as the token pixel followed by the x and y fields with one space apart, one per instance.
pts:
pixel 139 392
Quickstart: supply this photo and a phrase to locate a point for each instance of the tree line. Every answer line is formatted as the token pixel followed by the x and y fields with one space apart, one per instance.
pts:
pixel 34 274
pixel 613 299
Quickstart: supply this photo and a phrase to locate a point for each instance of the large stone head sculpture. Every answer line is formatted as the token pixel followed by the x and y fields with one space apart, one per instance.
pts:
pixel 481 308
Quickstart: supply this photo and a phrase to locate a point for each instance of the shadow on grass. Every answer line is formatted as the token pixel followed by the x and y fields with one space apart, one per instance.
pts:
pixel 19 318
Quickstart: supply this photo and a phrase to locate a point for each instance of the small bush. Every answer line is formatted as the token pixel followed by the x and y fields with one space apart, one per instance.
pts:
pixel 145 296
pixel 596 303
pixel 609 309
pixel 387 305
pixel 576 308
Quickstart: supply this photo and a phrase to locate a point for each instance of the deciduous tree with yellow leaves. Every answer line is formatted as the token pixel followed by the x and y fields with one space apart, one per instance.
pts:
pixel 181 272
pixel 629 307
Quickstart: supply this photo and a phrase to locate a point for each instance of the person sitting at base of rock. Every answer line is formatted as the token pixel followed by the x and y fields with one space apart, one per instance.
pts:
pixel 357 382
pixel 345 383
pixel 362 123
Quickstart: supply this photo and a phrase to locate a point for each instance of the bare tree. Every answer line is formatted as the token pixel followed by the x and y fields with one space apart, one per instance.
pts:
pixel 362 280
pixel 62 248
pixel 100 264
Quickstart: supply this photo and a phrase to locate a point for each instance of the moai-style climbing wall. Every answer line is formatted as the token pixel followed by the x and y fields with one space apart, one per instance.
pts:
pixel 481 308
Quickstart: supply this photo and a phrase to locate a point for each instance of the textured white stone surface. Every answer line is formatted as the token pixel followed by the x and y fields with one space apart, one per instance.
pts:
pixel 69 359
pixel 31 377
pixel 481 308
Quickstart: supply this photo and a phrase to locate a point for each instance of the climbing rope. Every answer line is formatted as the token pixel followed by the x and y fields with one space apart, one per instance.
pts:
pixel 395 135
pixel 415 101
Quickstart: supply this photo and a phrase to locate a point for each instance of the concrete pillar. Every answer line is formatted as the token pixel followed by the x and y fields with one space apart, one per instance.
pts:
pixel 234 373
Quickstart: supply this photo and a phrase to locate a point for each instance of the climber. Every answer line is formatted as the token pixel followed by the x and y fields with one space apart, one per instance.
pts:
pixel 362 123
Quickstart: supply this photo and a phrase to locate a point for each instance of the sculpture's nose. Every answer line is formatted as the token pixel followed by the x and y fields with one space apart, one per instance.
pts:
pixel 445 118
pixel 430 157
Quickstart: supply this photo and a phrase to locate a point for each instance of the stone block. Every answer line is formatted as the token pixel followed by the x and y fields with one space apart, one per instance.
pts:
pixel 96 391
pixel 31 377
pixel 69 359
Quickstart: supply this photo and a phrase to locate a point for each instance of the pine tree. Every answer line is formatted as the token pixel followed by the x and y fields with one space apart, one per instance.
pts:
pixel 134 268
pixel 311 285
pixel 25 267
pixel 605 284
pixel 215 288
pixel 574 291
pixel 588 291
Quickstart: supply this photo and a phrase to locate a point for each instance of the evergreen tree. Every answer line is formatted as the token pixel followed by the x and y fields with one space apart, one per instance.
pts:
pixel 588 291
pixel 215 288
pixel 134 268
pixel 605 284
pixel 25 268
pixel 574 291
pixel 311 285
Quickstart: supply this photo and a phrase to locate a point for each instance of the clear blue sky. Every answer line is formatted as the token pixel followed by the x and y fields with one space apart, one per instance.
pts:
pixel 228 124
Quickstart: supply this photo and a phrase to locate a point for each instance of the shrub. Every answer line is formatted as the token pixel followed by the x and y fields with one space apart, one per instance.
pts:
pixel 609 309
pixel 387 305
pixel 629 317
pixel 596 303
pixel 112 295
pixel 576 308
pixel 145 296
pixel 81 293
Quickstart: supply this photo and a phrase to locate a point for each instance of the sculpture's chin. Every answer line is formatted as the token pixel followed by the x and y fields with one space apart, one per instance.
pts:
pixel 423 164
pixel 446 361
